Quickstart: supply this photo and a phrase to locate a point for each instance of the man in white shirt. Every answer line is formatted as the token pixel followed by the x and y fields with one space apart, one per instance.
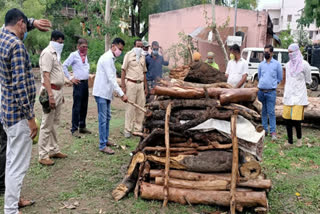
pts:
pixel 80 67
pixel 237 69
pixel 105 84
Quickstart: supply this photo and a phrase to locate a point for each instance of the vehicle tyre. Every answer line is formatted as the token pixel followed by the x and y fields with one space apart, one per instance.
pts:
pixel 315 83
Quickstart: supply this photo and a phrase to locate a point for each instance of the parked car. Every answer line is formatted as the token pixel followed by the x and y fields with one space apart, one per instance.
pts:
pixel 255 55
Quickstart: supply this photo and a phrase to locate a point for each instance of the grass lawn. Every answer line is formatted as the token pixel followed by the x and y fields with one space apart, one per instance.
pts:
pixel 87 177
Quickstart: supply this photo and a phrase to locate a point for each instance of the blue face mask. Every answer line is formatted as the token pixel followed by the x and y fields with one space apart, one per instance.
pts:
pixel 25 36
pixel 155 52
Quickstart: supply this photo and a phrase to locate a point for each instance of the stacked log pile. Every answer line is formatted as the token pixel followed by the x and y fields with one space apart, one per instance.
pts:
pixel 177 162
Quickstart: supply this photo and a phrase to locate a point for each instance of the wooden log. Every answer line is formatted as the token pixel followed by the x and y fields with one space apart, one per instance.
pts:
pixel 136 189
pixel 178 82
pixel 238 95
pixel 207 161
pixel 194 176
pixel 167 158
pixel 221 198
pixel 243 111
pixel 130 179
pixel 212 145
pixel 201 185
pixel 235 162
pixel 250 170
pixel 226 95
pixel 182 103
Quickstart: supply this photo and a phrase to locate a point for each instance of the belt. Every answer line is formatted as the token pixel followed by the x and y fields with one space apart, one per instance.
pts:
pixel 55 87
pixel 135 81
pixel 267 90
pixel 83 80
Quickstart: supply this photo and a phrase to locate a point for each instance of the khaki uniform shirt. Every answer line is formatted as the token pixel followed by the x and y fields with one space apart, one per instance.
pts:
pixel 134 70
pixel 49 63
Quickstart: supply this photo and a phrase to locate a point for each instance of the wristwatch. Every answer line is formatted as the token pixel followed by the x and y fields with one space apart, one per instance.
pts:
pixel 30 24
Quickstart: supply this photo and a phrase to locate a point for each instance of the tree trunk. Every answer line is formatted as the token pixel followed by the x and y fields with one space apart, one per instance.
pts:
pixel 217 34
pixel 107 23
pixel 222 198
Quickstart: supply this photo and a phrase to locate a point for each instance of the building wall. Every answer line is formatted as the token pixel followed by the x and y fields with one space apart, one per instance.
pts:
pixel 164 27
pixel 291 8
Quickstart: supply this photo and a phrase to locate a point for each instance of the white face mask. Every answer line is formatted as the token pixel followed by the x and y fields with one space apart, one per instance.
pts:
pixel 138 52
pixel 144 53
pixel 58 48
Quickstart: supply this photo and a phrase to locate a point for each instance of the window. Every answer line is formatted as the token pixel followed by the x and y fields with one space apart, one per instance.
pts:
pixel 275 55
pixel 256 56
pixel 275 21
pixel 245 55
pixel 284 57
pixel 289 18
pixel 310 34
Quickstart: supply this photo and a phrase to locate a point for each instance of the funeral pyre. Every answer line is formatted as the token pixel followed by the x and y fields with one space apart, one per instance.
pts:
pixel 200 145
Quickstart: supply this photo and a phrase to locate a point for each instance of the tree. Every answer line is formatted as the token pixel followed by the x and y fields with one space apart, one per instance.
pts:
pixel 216 32
pixel 246 4
pixel 302 37
pixel 286 38
pixel 311 13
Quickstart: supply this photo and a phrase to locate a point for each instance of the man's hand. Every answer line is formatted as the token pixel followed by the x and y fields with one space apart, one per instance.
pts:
pixel 124 89
pixel 124 98
pixel 42 24
pixel 33 128
pixel 52 102
pixel 75 81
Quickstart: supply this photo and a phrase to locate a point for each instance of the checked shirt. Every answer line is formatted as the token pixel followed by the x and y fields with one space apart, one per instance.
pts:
pixel 18 90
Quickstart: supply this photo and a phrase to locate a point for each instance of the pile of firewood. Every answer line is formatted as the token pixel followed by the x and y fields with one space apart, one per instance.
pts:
pixel 183 160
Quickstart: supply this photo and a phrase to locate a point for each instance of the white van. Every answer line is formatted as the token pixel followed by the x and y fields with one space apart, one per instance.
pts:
pixel 255 55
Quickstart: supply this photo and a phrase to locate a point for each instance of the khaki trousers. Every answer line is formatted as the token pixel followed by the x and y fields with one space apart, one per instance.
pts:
pixel 48 141
pixel 134 117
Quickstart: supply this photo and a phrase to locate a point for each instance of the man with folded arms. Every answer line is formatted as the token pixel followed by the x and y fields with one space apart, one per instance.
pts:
pixel 52 79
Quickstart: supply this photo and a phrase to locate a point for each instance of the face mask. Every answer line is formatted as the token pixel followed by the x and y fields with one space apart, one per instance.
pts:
pixel 58 48
pixel 144 53
pixel 83 51
pixel 25 36
pixel 266 55
pixel 232 56
pixel 154 52
pixel 138 52
pixel 117 52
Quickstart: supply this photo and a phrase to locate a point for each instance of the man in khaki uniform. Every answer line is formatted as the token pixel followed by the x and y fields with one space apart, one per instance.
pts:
pixel 52 79
pixel 134 85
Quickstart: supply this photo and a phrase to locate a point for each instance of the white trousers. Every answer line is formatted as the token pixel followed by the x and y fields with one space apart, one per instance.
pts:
pixel 19 147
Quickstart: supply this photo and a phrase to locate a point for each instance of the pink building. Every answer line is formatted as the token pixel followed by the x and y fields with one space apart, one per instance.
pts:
pixel 164 27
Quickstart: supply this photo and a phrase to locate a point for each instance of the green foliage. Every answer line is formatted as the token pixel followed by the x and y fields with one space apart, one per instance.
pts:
pixel 180 51
pixel 310 13
pixel 286 38
pixel 35 60
pixel 302 37
pixel 246 4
